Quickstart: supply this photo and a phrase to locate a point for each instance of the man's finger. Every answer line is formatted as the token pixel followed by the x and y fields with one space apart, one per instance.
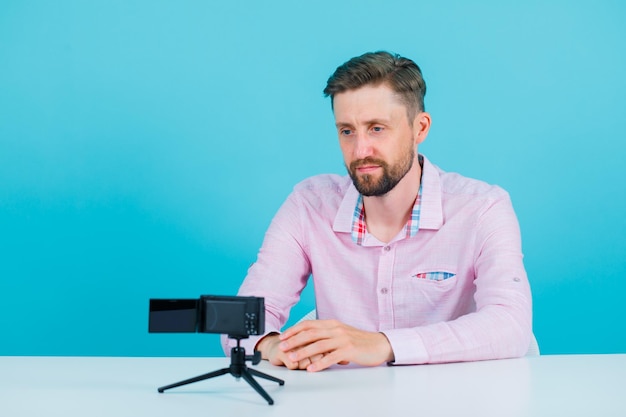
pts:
pixel 326 361
pixel 297 328
pixel 317 349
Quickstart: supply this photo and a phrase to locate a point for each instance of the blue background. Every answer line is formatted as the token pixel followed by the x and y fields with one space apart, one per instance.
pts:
pixel 146 145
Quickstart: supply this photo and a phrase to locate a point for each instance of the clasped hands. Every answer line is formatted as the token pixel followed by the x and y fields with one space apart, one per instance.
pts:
pixel 315 345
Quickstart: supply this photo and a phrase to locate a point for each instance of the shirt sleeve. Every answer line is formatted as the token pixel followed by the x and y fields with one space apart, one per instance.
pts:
pixel 501 326
pixel 280 272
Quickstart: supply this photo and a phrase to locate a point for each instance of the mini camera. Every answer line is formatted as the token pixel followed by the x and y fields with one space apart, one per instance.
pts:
pixel 232 315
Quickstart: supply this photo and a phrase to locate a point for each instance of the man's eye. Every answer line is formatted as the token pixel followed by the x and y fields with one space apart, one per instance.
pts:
pixel 346 132
pixel 377 129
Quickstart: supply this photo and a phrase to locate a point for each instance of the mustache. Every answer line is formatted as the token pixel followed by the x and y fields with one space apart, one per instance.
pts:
pixel 366 161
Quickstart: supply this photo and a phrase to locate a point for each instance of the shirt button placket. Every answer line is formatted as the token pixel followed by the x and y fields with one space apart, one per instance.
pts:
pixel 385 296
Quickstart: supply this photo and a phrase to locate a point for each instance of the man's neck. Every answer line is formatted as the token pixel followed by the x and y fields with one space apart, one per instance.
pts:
pixel 385 216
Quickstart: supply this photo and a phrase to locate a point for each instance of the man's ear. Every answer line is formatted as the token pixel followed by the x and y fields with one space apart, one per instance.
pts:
pixel 421 126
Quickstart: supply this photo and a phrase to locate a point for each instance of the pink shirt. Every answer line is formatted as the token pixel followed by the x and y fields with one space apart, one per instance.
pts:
pixel 454 291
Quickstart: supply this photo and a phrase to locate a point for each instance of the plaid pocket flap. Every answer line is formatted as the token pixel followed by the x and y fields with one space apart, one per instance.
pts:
pixel 434 275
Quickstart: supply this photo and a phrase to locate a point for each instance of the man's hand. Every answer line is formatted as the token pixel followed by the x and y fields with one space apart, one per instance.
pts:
pixel 323 343
pixel 269 348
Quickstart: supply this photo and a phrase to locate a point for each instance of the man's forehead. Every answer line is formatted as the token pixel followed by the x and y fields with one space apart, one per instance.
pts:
pixel 367 102
pixel 381 88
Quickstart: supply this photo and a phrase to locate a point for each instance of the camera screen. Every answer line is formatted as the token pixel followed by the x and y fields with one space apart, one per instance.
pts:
pixel 173 316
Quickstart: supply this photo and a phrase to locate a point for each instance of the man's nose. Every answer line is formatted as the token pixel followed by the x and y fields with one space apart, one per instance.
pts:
pixel 363 146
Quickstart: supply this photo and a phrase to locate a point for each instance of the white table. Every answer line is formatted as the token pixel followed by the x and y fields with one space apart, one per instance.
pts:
pixel 571 385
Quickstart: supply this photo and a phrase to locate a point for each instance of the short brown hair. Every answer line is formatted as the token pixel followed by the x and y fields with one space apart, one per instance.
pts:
pixel 375 68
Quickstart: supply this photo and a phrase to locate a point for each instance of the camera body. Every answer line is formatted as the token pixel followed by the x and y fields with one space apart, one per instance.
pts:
pixel 236 316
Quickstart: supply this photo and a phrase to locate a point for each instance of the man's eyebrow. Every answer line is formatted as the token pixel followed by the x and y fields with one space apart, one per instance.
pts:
pixel 367 122
pixel 377 122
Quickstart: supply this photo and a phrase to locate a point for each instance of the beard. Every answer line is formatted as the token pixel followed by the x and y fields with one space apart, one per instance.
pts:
pixel 369 185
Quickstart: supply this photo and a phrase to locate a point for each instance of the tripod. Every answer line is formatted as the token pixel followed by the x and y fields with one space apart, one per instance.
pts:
pixel 238 369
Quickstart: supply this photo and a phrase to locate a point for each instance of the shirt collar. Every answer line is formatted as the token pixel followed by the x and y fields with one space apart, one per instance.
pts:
pixel 427 212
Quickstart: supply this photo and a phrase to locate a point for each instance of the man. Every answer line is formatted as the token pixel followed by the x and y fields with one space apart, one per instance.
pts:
pixel 411 264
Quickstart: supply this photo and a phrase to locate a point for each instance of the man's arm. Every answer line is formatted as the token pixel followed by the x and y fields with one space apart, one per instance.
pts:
pixel 280 272
pixel 501 326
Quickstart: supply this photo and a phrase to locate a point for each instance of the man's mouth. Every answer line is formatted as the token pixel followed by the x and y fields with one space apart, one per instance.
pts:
pixel 366 166
pixel 366 169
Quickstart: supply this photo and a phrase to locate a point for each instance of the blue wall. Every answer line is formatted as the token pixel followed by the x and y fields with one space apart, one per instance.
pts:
pixel 145 146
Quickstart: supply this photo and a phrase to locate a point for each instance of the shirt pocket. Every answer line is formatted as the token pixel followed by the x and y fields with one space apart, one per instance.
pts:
pixel 431 293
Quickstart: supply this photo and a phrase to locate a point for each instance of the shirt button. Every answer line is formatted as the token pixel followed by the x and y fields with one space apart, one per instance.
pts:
pixel 384 291
pixel 387 248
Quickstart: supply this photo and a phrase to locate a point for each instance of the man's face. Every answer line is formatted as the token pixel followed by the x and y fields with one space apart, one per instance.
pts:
pixel 377 141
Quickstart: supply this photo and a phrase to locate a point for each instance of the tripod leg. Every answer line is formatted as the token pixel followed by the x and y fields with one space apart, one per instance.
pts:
pixel 266 376
pixel 250 379
pixel 196 379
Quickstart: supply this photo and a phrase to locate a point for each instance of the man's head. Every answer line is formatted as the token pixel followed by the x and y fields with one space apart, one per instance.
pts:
pixel 377 100
pixel 402 75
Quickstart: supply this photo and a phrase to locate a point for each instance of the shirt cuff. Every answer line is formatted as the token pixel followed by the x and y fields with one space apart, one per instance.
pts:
pixel 408 347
